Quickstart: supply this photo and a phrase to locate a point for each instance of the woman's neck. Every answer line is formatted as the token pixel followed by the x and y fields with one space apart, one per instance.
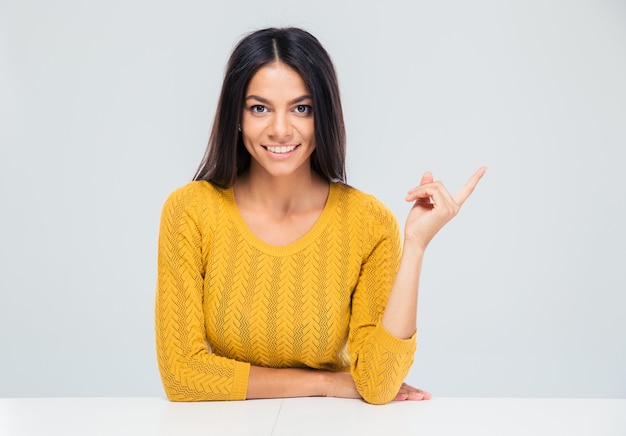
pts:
pixel 281 195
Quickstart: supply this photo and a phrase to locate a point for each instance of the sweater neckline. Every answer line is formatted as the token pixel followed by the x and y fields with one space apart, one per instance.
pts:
pixel 284 250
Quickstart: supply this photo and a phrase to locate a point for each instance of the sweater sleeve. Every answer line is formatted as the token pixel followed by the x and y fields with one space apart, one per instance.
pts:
pixel 189 370
pixel 379 361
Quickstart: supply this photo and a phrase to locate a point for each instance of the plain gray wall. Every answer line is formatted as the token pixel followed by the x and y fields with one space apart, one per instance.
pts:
pixel 105 107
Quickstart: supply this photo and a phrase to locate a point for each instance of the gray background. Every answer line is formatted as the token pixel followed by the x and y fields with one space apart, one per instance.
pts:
pixel 105 107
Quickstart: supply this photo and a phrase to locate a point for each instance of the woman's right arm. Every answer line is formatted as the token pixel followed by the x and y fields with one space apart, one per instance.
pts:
pixel 299 382
pixel 189 370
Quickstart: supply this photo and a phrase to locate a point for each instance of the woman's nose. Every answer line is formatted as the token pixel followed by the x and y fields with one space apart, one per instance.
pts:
pixel 280 126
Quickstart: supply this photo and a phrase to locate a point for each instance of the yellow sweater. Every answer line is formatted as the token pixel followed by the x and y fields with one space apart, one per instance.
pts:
pixel 225 299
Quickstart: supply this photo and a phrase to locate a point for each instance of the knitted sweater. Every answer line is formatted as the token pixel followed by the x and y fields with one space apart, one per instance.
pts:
pixel 226 300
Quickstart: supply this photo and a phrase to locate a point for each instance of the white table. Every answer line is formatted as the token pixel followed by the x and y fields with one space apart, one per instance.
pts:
pixel 312 416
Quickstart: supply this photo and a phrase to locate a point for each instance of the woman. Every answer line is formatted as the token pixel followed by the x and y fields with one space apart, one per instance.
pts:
pixel 275 278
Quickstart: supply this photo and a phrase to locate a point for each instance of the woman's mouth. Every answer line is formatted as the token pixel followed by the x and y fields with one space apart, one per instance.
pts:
pixel 280 149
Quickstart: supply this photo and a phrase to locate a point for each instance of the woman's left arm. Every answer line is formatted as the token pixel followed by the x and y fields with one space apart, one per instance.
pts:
pixel 434 207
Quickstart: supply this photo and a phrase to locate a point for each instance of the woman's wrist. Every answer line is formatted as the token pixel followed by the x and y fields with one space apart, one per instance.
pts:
pixel 339 384
pixel 414 246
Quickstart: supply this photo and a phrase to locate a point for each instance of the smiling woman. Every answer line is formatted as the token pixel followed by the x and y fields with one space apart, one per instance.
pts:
pixel 275 278
pixel 300 51
pixel 278 125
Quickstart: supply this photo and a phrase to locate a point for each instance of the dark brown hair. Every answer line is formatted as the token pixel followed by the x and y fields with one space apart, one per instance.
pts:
pixel 226 156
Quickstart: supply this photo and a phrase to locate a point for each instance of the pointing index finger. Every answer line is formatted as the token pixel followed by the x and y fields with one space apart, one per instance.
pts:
pixel 467 190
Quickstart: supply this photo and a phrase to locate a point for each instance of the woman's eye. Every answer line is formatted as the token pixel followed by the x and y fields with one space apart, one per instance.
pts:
pixel 303 109
pixel 258 109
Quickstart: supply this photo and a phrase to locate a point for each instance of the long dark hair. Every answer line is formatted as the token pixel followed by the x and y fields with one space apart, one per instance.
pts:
pixel 226 156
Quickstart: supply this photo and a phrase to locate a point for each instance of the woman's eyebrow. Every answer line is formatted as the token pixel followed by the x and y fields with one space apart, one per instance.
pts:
pixel 300 99
pixel 265 101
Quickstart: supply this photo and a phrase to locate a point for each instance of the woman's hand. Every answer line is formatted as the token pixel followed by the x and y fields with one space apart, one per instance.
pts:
pixel 434 207
pixel 341 385
pixel 407 392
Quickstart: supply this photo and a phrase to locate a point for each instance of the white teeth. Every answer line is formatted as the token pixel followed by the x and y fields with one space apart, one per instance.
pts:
pixel 282 149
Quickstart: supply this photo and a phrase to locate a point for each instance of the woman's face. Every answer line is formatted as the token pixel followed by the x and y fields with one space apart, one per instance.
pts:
pixel 277 123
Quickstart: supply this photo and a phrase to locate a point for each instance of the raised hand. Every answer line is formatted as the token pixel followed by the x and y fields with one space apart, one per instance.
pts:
pixel 435 206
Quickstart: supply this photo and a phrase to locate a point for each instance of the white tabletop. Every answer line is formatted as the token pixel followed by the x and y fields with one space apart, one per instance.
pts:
pixel 312 416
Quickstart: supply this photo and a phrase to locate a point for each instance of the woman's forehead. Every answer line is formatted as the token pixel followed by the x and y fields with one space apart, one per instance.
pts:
pixel 277 80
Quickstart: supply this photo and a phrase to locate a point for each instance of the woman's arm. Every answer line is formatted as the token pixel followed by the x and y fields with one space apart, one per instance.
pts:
pixel 299 382
pixel 293 382
pixel 189 370
pixel 433 208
